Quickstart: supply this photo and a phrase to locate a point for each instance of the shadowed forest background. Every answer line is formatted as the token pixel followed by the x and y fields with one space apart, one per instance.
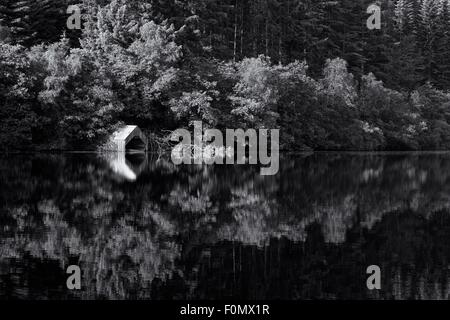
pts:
pixel 311 68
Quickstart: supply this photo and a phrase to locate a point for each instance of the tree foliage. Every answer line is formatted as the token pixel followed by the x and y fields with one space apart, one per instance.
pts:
pixel 310 68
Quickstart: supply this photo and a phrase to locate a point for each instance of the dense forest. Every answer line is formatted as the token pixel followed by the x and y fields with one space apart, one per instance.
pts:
pixel 310 68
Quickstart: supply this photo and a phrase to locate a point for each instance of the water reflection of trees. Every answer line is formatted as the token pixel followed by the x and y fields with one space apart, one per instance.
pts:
pixel 200 232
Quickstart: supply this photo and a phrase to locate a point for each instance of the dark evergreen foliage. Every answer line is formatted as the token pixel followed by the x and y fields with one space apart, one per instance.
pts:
pixel 311 68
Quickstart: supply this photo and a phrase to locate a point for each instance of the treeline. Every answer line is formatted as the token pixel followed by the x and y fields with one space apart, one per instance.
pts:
pixel 310 68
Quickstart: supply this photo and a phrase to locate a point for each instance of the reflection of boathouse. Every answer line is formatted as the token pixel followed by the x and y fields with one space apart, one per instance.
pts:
pixel 129 158
pixel 128 166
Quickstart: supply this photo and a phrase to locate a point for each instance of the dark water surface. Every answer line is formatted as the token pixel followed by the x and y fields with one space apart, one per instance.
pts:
pixel 145 229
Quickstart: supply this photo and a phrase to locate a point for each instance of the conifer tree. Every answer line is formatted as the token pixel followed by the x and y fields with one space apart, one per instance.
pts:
pixel 441 72
pixel 15 15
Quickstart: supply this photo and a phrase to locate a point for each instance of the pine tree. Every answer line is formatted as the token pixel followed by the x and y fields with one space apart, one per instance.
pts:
pixel 404 17
pixel 16 17
pixel 427 35
pixel 376 43
pixel 48 20
pixel 32 22
pixel 441 72
pixel 405 66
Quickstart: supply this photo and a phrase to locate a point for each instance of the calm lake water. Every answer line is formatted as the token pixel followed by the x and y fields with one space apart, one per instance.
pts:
pixel 145 229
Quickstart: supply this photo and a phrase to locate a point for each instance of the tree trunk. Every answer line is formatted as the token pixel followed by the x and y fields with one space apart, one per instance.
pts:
pixel 235 29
